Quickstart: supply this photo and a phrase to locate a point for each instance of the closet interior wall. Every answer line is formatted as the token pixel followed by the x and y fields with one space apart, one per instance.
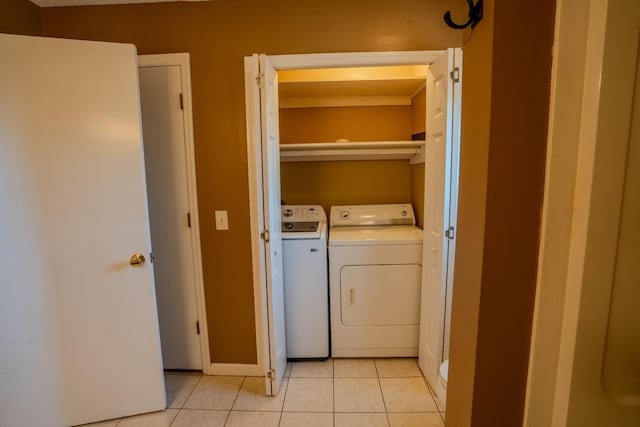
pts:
pixel 351 182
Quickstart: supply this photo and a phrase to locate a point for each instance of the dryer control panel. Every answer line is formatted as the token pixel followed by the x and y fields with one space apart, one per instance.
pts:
pixel 372 215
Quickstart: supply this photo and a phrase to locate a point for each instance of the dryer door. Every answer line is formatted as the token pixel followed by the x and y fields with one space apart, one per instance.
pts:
pixel 380 295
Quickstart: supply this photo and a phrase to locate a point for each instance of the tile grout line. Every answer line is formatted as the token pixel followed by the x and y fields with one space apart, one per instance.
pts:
pixel 185 400
pixel 386 412
pixel 333 384
pixel 174 418
pixel 192 390
pixel 226 420
pixel 284 398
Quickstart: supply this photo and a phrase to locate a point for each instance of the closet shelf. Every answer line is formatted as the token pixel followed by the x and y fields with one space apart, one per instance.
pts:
pixel 332 151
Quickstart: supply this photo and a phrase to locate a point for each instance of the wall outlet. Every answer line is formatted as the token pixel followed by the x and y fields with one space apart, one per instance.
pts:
pixel 222 221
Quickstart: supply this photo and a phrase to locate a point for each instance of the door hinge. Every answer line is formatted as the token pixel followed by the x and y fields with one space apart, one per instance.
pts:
pixel 271 374
pixel 197 327
pixel 265 236
pixel 181 102
pixel 260 80
pixel 151 257
pixel 450 233
pixel 455 75
pixel 189 219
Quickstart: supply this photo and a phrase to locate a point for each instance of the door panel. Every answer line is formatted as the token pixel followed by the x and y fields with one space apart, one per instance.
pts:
pixel 75 113
pixel 273 247
pixel 165 161
pixel 453 175
pixel 436 218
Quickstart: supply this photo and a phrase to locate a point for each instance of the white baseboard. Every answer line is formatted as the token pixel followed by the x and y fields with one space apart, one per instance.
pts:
pixel 235 369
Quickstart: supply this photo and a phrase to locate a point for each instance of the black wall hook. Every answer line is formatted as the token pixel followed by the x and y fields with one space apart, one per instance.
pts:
pixel 475 16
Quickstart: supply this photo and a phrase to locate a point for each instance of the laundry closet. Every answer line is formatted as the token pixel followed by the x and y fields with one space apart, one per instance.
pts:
pixel 352 137
pixel 345 108
pixel 351 141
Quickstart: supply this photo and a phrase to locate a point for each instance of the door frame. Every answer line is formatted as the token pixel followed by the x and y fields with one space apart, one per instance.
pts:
pixel 254 159
pixel 182 60
pixel 584 43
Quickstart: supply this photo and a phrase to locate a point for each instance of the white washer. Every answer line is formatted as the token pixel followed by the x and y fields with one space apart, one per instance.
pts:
pixel 375 275
pixel 306 288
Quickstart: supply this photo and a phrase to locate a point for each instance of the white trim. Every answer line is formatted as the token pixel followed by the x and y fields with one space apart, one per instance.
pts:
pixel 353 59
pixel 235 369
pixel 183 61
pixel 543 367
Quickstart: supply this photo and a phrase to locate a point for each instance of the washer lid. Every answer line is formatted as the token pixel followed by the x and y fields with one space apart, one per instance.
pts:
pixel 378 235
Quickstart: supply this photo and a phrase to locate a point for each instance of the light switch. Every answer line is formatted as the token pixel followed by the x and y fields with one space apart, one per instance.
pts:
pixel 222 221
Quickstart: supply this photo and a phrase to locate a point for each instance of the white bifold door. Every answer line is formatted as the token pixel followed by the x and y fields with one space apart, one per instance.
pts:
pixel 75 234
pixel 261 84
pixel 440 211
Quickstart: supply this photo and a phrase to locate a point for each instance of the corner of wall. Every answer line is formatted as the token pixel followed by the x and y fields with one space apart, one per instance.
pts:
pixel 20 17
pixel 474 164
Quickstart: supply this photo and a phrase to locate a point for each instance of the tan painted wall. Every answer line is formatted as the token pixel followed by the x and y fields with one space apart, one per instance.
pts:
pixel 417 192
pixel 346 182
pixel 474 161
pixel 522 45
pixel 419 111
pixel 20 17
pixel 328 124
pixel 504 126
pixel 218 35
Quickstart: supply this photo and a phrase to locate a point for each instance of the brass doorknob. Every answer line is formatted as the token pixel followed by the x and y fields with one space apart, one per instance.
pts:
pixel 137 260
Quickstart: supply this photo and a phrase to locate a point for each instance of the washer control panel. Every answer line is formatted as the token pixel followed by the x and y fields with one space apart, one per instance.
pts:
pixel 302 213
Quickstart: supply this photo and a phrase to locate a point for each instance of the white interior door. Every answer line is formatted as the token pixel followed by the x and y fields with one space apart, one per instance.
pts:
pixel 269 114
pixel 71 119
pixel 438 174
pixel 171 232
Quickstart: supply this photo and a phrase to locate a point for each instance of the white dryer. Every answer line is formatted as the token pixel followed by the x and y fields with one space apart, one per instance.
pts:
pixel 375 274
pixel 306 288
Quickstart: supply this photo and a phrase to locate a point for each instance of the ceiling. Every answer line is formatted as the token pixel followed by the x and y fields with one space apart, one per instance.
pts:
pixel 356 86
pixel 53 3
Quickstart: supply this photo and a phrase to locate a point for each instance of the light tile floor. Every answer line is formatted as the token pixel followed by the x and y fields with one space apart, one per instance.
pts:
pixel 332 393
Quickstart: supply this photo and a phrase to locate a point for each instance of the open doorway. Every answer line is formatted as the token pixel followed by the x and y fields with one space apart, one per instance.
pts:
pixel 439 195
pixel 165 99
